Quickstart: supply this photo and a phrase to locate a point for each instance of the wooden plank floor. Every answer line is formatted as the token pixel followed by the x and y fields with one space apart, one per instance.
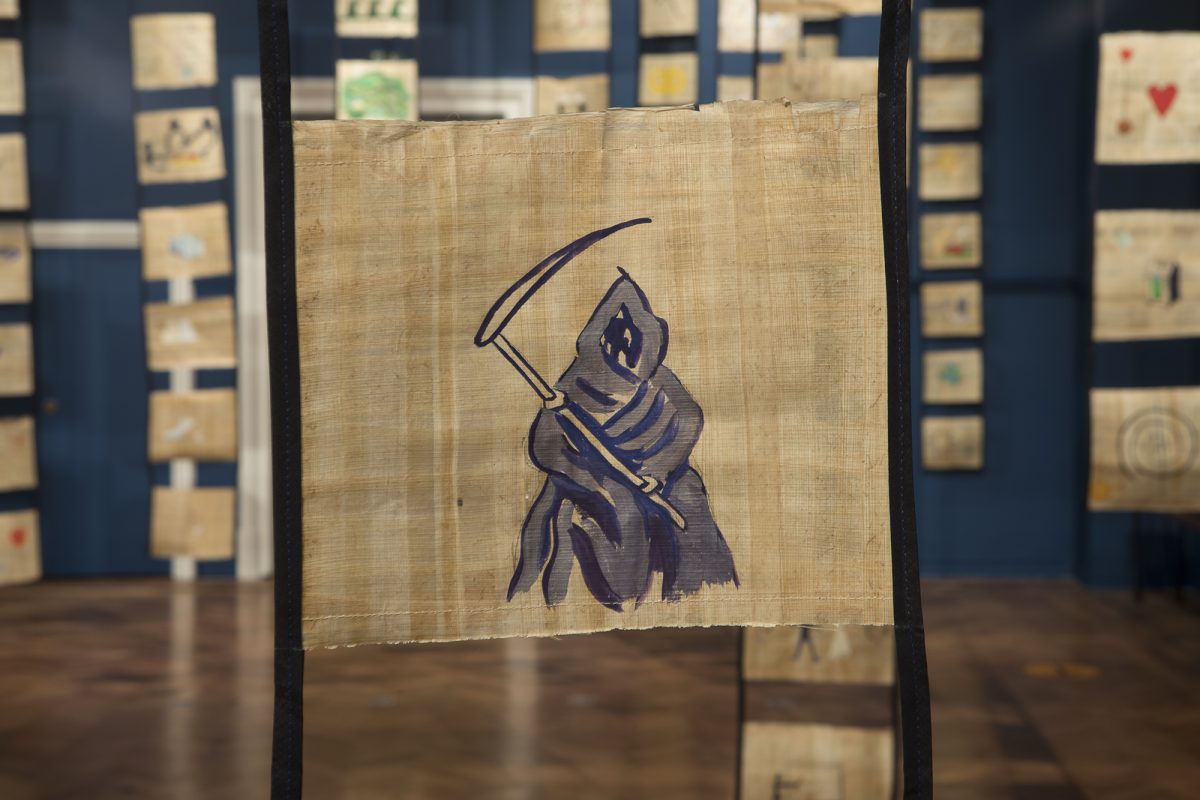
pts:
pixel 144 690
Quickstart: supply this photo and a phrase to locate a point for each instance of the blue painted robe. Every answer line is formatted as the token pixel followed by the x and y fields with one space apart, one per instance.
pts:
pixel 588 515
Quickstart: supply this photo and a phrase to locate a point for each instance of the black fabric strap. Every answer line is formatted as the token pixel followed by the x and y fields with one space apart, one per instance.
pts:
pixel 906 580
pixel 275 69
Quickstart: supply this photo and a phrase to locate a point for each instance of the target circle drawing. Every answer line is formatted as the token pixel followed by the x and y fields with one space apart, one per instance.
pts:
pixel 1158 443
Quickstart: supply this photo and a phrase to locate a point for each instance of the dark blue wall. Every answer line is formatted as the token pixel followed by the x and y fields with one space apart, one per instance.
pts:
pixel 1022 515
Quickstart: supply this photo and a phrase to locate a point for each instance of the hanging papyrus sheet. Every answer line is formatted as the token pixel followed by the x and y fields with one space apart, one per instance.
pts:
pixel 20 548
pixel 735 87
pixel 197 425
pixel 789 761
pixel 10 9
pixel 952 34
pixel 377 19
pixel 1148 109
pixel 174 51
pixel 1147 275
pixel 823 10
pixel 14 175
pixel 192 523
pixel 195 335
pixel 185 241
pixel 668 79
pixel 951 171
pixel 378 89
pixel 14 263
pixel 18 454
pixel 572 95
pixel 1145 450
pixel 741 463
pixel 735 26
pixel 669 17
pixel 849 654
pixel 952 309
pixel 951 241
pixel 12 78
pixel 952 443
pixel 818 79
pixel 572 25
pixel 950 103
pixel 181 145
pixel 953 377
pixel 16 360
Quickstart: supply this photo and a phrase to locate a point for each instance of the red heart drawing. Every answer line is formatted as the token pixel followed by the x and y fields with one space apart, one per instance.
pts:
pixel 1163 97
pixel 17 537
pixel 1126 53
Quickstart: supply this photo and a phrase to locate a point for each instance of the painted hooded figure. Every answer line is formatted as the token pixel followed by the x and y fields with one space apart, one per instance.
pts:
pixel 619 386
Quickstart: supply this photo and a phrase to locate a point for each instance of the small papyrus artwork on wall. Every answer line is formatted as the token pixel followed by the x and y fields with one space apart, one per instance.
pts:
pixel 950 103
pixel 951 240
pixel 192 523
pixel 813 80
pixel 185 241
pixel 14 173
pixel 797 761
pixel 12 78
pixel 669 17
pixel 819 45
pixel 779 33
pixel 823 10
pixel 378 89
pixel 10 9
pixel 181 145
pixel 377 19
pixel 18 454
pixel 735 87
pixel 195 335
pixel 492 451
pixel 953 377
pixel 952 171
pixel 951 309
pixel 572 95
pixel 1148 111
pixel 1145 450
pixel 843 654
pixel 1146 281
pixel 562 25
pixel 15 284
pixel 173 51
pixel 951 34
pixel 735 25
pixel 20 548
pixel 952 443
pixel 16 360
pixel 668 79
pixel 198 425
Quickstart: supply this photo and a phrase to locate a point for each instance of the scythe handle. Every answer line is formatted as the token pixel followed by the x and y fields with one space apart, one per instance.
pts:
pixel 649 486
pixel 556 401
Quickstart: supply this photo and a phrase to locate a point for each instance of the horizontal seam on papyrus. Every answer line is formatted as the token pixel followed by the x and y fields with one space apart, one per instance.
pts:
pixel 489 154
pixel 585 606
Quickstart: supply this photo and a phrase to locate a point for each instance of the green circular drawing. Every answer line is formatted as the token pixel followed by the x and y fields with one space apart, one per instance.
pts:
pixel 374 95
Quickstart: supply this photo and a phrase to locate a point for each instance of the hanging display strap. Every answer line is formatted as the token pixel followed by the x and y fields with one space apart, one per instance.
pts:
pixel 275 69
pixel 894 41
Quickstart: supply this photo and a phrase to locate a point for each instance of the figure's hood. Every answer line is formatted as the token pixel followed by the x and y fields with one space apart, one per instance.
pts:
pixel 623 339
